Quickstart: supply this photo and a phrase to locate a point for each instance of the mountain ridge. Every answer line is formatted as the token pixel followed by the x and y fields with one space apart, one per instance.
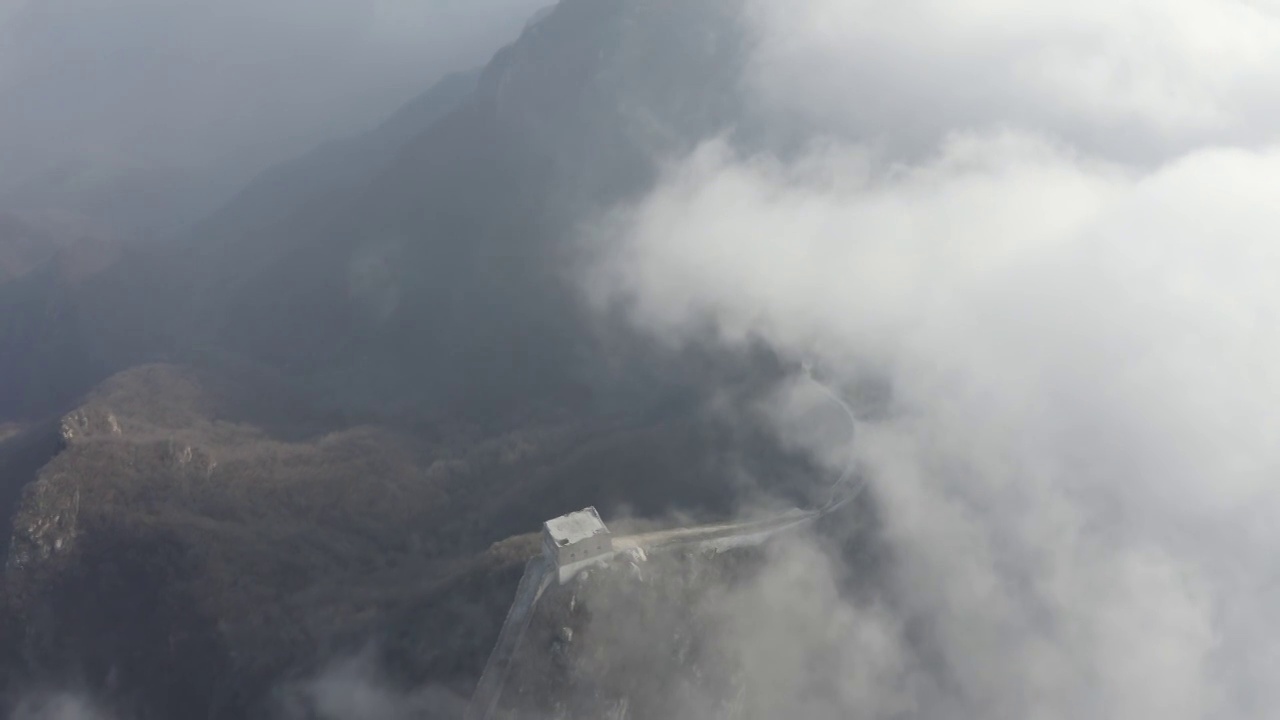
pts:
pixel 336 418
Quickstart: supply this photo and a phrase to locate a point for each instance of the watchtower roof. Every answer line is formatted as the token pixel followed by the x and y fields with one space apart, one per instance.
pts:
pixel 576 527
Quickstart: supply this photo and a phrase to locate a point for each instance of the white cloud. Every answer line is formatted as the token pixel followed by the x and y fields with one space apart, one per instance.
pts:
pixel 1078 478
pixel 357 689
pixel 1134 77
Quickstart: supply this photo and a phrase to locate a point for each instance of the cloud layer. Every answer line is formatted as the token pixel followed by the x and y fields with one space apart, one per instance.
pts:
pixel 1137 79
pixel 1055 233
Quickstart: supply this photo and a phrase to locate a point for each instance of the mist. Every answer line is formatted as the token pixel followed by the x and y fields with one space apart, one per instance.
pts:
pixel 356 688
pixel 96 94
pixel 1057 244
pixel 1034 249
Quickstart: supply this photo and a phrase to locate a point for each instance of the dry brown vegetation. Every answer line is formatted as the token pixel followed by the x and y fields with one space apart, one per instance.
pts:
pixel 183 545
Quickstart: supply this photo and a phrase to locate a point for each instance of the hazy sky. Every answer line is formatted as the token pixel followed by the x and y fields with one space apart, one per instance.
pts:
pixel 1129 79
pixel 1054 227
pixel 185 83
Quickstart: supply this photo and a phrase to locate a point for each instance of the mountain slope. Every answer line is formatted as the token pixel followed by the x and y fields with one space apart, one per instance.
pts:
pixel 443 282
pixel 341 166
pixel 448 282
pixel 361 391
pixel 74 323
pixel 202 538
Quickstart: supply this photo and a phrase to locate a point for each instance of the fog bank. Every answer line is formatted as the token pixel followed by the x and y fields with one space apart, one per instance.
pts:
pixel 1054 233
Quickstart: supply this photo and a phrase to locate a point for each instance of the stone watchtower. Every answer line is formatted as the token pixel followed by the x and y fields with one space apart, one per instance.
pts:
pixel 574 541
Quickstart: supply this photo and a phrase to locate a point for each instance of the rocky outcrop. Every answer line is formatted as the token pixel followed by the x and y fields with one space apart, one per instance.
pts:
pixel 47 527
